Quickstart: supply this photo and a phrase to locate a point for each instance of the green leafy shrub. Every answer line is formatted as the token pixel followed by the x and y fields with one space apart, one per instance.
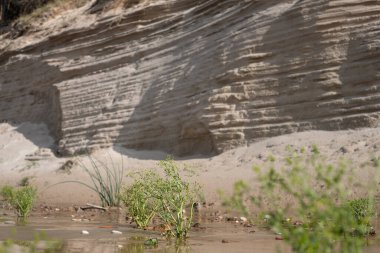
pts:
pixel 21 199
pixel 164 196
pixel 323 219
pixel 138 200
pixel 174 194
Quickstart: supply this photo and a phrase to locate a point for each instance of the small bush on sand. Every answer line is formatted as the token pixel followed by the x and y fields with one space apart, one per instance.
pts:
pixel 140 203
pixel 165 196
pixel 174 195
pixel 318 215
pixel 21 199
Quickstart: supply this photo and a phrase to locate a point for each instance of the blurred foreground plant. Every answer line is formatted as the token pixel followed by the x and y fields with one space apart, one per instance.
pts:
pixel 315 193
pixel 40 244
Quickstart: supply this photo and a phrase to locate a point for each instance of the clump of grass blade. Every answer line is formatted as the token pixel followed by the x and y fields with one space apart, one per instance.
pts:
pixel 106 180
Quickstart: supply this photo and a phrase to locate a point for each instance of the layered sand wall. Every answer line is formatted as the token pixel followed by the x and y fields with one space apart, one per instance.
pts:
pixel 199 77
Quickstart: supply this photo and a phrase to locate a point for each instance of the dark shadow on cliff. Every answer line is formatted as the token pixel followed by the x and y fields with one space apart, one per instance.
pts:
pixel 155 155
pixel 360 79
pixel 294 48
pixel 28 96
pixel 169 115
pixel 39 134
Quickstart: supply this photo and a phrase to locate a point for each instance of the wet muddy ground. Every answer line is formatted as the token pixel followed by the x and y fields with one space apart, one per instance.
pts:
pixel 211 234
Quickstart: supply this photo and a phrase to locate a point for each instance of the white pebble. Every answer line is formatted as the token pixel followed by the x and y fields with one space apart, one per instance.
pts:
pixel 243 219
pixel 85 232
pixel 116 232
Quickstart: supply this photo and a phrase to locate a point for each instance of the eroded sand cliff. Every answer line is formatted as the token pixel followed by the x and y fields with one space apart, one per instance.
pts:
pixel 192 77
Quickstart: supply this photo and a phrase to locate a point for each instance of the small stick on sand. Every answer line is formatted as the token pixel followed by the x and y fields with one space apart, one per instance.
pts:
pixel 91 206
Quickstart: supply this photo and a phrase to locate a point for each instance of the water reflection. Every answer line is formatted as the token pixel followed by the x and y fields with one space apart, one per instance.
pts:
pixel 138 245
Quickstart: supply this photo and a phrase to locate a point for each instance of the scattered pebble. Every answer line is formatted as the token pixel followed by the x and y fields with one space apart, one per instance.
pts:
pixel 232 219
pixel 116 232
pixel 151 242
pixel 85 232
pixel 344 150
pixel 109 226
pixel 243 219
pixel 197 206
pixel 120 246
pixel 225 241
pixel 196 225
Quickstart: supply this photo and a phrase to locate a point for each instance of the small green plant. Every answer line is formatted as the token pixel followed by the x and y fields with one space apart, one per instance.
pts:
pixel 174 195
pixel 21 199
pixel 318 215
pixel 138 200
pixel 106 180
pixel 164 196
pixel 363 211
pixel 361 208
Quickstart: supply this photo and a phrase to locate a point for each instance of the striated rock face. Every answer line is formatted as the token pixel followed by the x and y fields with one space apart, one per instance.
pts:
pixel 191 77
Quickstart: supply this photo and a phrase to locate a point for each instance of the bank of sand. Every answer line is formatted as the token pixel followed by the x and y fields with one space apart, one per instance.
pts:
pixel 26 151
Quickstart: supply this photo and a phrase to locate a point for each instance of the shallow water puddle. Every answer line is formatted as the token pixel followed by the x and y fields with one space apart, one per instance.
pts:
pixel 212 237
pixel 218 237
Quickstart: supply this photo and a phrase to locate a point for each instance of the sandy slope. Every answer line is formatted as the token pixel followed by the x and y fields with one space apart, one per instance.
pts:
pixel 25 151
